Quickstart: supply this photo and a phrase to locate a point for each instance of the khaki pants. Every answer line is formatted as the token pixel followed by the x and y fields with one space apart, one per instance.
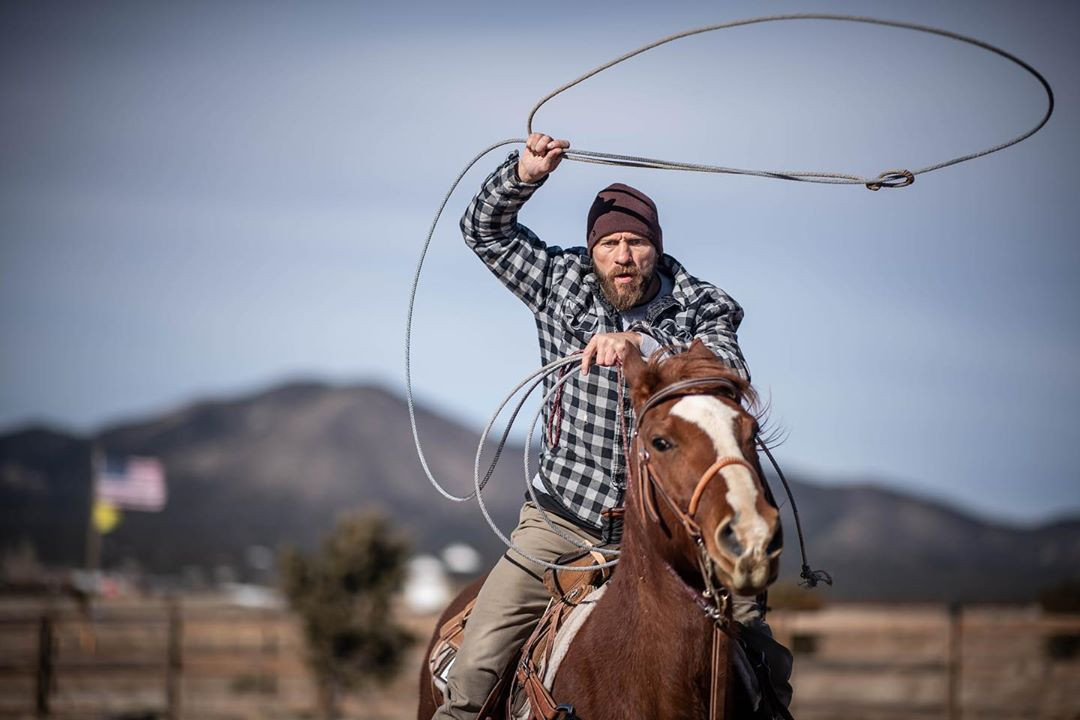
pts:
pixel 514 597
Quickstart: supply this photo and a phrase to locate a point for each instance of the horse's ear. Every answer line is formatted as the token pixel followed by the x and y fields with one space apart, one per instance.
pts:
pixel 633 366
pixel 698 349
pixel 638 377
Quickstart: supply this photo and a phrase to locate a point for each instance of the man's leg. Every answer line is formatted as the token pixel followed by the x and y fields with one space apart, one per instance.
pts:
pixel 758 637
pixel 507 609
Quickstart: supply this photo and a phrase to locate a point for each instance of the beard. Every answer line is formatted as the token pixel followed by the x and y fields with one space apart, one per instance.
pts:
pixel 624 296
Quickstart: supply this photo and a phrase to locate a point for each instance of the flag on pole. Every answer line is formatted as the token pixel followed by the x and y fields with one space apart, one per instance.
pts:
pixel 132 483
pixel 105 517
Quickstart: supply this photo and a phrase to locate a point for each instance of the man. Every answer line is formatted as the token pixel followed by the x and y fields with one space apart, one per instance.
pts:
pixel 619 294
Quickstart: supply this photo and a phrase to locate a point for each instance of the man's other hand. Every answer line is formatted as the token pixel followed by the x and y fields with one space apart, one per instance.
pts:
pixel 542 154
pixel 608 348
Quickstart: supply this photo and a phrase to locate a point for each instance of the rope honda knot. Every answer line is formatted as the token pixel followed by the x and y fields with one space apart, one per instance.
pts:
pixel 811 578
pixel 892 179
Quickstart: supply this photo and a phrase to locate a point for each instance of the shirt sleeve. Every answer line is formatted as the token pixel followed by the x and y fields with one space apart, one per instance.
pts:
pixel 649 345
pixel 513 253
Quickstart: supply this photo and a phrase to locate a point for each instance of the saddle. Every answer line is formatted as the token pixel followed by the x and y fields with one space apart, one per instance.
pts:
pixel 520 689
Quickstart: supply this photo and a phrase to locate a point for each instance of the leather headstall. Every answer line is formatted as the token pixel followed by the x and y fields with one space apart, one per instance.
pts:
pixel 649 480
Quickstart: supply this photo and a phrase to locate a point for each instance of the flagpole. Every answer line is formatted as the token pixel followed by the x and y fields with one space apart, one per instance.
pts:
pixel 93 537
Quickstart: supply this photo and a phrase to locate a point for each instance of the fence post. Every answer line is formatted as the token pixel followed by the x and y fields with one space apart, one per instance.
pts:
pixel 44 665
pixel 173 661
pixel 953 661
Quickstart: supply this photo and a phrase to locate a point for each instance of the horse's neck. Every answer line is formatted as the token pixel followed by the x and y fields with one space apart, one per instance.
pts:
pixel 647 621
pixel 645 587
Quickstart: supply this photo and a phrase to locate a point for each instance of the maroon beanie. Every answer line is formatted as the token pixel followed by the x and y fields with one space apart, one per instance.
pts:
pixel 621 208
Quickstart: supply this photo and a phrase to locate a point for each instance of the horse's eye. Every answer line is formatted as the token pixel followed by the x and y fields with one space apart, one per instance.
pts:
pixel 661 444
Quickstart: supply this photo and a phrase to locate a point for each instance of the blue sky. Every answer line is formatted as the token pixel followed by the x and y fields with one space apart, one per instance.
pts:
pixel 207 199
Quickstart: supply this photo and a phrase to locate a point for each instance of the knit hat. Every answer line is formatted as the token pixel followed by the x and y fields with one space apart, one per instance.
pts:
pixel 621 208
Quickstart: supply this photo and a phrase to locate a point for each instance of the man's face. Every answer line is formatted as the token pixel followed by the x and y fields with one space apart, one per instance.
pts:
pixel 625 263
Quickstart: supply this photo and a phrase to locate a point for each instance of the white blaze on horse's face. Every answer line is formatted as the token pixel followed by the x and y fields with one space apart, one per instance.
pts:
pixel 751 568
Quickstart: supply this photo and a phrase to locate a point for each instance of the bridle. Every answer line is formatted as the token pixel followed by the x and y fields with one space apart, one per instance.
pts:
pixel 650 481
pixel 716 597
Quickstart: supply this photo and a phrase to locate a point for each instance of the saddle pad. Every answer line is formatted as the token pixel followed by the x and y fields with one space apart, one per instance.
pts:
pixel 568 632
pixel 444 652
pixel 564 635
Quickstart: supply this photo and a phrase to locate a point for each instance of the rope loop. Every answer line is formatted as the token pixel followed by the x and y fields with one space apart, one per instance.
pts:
pixel 892 179
pixel 889 179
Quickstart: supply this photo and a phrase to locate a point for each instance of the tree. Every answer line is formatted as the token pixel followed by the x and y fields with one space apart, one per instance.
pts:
pixel 343 594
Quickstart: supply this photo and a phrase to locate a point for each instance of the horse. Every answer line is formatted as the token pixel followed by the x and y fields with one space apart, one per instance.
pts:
pixel 699 524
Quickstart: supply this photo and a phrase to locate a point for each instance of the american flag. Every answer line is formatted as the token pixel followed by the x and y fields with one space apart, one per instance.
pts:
pixel 133 483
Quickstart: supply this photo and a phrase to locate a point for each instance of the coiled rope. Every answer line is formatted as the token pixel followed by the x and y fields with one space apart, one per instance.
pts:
pixel 895 178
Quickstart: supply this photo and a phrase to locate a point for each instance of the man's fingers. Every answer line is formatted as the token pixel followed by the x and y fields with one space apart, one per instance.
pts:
pixel 552 160
pixel 587 356
pixel 542 141
pixel 605 350
pixel 601 354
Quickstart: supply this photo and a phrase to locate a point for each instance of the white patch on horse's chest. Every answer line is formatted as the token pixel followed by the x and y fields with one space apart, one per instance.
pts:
pixel 717 420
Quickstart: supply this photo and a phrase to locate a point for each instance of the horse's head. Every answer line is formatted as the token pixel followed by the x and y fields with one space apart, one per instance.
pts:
pixel 696 466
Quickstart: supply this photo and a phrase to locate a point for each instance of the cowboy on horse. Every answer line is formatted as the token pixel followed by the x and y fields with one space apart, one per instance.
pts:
pixel 618 297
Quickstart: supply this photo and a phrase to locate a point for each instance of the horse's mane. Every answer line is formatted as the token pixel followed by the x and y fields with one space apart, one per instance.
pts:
pixel 663 369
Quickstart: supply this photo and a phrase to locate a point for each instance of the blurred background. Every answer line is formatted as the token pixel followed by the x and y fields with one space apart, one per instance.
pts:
pixel 210 216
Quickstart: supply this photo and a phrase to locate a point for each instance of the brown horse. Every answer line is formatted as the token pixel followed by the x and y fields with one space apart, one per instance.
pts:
pixel 656 645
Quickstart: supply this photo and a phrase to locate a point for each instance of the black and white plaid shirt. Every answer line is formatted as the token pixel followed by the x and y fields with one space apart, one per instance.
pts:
pixel 585 469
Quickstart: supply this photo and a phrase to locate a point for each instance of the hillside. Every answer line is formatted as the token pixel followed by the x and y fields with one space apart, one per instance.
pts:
pixel 275 468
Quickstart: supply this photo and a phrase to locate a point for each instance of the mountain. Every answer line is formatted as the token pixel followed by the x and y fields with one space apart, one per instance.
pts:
pixel 269 469
pixel 276 468
pixel 883 545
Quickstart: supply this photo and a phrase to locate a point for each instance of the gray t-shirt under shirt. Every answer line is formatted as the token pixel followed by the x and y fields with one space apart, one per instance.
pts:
pixel 637 314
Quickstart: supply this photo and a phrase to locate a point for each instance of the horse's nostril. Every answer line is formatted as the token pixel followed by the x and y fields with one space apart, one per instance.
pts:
pixel 776 544
pixel 727 540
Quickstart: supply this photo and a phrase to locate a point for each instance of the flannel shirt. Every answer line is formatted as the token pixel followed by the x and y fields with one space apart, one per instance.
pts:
pixel 584 468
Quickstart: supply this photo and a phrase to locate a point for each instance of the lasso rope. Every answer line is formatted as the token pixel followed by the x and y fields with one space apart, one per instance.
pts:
pixel 888 179
pixel 541 374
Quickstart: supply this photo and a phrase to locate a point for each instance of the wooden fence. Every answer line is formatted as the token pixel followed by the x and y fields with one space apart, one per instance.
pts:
pixel 910 663
pixel 208 660
pixel 147 659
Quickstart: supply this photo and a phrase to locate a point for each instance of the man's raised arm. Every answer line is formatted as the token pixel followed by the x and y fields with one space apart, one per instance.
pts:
pixel 510 250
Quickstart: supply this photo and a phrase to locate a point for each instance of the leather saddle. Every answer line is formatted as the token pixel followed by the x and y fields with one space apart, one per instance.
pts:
pixel 522 680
